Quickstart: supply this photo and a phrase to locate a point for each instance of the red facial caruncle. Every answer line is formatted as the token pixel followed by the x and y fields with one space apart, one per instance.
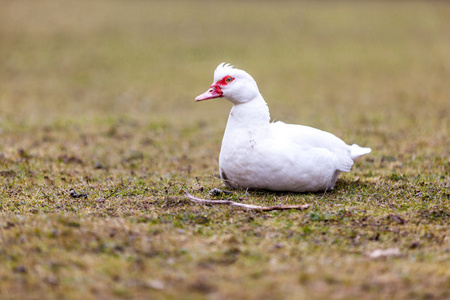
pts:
pixel 224 81
pixel 215 91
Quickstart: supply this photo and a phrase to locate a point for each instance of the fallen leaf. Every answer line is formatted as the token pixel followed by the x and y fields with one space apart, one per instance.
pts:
pixel 379 253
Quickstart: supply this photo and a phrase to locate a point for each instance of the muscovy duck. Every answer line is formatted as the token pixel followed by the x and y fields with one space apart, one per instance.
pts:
pixel 259 154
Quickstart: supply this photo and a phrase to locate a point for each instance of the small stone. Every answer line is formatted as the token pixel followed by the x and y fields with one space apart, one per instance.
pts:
pixel 414 245
pixel 99 165
pixel 217 192
pixel 20 269
pixel 156 284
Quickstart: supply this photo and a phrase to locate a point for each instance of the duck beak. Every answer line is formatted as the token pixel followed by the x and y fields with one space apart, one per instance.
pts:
pixel 214 92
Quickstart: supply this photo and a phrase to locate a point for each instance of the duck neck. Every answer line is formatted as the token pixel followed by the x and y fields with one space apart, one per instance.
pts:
pixel 251 114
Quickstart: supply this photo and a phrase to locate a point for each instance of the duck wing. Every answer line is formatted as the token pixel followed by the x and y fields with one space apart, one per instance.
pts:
pixel 320 143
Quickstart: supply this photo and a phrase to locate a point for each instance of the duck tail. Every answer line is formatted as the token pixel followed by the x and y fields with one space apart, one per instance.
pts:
pixel 356 151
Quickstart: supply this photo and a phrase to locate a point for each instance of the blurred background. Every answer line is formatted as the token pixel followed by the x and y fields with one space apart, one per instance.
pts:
pixel 369 71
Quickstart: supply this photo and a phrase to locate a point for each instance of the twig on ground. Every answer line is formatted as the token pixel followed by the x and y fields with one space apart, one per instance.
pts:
pixel 102 199
pixel 245 206
pixel 115 191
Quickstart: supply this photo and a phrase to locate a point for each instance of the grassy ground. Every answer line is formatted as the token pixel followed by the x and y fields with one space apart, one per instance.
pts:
pixel 98 96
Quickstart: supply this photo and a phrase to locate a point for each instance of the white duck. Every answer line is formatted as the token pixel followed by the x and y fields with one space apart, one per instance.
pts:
pixel 258 154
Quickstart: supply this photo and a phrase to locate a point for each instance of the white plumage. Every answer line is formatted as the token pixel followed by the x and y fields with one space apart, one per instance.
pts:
pixel 258 154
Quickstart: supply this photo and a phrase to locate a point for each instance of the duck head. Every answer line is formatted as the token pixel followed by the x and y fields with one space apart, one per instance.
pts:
pixel 230 83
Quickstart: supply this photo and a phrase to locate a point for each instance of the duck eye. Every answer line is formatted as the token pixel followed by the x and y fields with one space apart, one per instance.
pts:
pixel 229 79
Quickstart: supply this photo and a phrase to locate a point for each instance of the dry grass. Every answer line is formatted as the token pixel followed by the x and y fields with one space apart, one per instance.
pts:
pixel 98 96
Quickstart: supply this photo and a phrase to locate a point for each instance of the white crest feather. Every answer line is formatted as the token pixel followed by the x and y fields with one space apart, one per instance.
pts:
pixel 223 70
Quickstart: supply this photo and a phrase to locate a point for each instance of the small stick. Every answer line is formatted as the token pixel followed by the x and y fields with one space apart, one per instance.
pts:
pixel 114 192
pixel 246 206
